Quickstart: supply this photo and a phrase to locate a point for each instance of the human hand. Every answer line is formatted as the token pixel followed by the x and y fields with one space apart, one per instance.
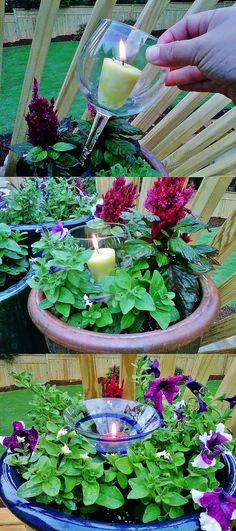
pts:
pixel 201 52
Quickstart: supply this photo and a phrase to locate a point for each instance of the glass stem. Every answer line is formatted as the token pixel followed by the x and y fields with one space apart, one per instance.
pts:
pixel 100 122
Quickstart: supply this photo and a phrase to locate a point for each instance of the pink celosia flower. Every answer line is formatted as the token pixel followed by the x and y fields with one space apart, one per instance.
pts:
pixel 167 199
pixel 120 198
pixel 42 120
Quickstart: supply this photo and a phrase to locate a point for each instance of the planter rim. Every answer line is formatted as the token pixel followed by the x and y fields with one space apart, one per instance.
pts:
pixel 32 227
pixel 154 162
pixel 34 514
pixel 15 288
pixel 174 337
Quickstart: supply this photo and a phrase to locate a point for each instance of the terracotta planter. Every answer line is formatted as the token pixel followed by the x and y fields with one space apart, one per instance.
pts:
pixel 154 162
pixel 17 332
pixel 184 336
pixel 42 518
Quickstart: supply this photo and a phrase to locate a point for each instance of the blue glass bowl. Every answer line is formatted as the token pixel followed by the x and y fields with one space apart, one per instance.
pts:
pixel 112 424
pixel 43 518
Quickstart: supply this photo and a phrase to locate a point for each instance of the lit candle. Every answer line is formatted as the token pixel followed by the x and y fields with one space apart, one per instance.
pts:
pixel 102 261
pixel 117 80
pixel 114 434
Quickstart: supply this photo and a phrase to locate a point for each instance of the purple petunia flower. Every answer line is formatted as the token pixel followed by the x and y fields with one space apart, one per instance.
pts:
pixel 220 509
pixel 154 368
pixel 196 388
pixel 232 401
pixel 3 205
pixel 58 228
pixel 55 269
pixel 163 387
pixel 211 446
pixel 97 209
pixel 21 437
pixel 178 410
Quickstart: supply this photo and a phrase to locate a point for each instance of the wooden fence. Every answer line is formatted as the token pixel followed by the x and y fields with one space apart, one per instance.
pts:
pixel 67 367
pixel 21 24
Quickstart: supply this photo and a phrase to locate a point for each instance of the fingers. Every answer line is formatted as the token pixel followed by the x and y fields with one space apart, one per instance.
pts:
pixel 187 28
pixel 184 76
pixel 180 53
pixel 201 86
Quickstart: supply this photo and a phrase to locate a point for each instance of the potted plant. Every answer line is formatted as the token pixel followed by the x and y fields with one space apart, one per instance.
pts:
pixel 155 297
pixel 17 333
pixel 52 478
pixel 54 147
pixel 40 201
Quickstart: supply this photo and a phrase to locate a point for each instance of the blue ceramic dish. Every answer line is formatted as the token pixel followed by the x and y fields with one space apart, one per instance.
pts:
pixel 43 518
pixel 17 332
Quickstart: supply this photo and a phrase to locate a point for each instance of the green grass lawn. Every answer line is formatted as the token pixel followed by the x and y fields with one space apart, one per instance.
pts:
pixel 14 66
pixel 15 405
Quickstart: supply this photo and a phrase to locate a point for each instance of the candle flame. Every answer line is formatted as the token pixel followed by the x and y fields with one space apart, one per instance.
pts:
pixel 113 429
pixel 122 51
pixel 95 242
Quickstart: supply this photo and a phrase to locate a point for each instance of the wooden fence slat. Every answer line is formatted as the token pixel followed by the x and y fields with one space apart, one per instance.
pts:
pixel 69 89
pixel 225 166
pixel 228 387
pixel 151 14
pixel 127 372
pixel 208 196
pixel 205 156
pixel 2 18
pixel 201 5
pixel 173 119
pixel 202 369
pixel 202 140
pixel 168 363
pixel 38 54
pixel 180 134
pixel 89 375
pixel 224 240
pixel 222 329
pixel 227 290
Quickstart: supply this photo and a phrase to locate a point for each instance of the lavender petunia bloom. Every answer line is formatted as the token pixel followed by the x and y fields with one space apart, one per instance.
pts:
pixel 58 228
pixel 3 205
pixel 196 388
pixel 220 509
pixel 211 446
pixel 163 387
pixel 55 269
pixel 21 437
pixel 178 410
pixel 232 401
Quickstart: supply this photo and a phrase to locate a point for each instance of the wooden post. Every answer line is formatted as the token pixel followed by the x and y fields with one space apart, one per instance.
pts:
pixel 89 375
pixel 70 87
pixel 208 196
pixel 168 363
pixel 127 372
pixel 225 238
pixel 2 15
pixel 151 14
pixel 38 54
pixel 202 369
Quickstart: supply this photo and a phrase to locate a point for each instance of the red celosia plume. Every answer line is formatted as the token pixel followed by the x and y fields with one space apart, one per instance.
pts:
pixel 111 387
pixel 42 120
pixel 120 198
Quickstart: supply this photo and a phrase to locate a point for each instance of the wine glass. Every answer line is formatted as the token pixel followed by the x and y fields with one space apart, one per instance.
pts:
pixel 114 75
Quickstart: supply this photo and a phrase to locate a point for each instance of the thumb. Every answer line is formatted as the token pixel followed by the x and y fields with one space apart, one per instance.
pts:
pixel 179 53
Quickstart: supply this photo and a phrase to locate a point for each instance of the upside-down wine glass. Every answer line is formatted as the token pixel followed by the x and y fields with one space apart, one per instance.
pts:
pixel 115 77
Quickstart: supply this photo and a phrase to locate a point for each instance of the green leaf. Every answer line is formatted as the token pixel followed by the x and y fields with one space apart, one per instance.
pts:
pixel 105 319
pixel 66 296
pixel 145 303
pixel 74 278
pixel 96 158
pixel 21 149
pixel 127 303
pixel 121 148
pixel 68 161
pixel 63 309
pixel 179 246
pixel 174 498
pixel 139 489
pixel 185 284
pixel 51 486
pixel 51 448
pixel 54 155
pixel 63 146
pixel 127 321
pixel 151 513
pixel 37 154
pixel 30 489
pixel 45 304
pixel 110 497
pixel 122 480
pixel 122 127
pixel 123 465
pixel 196 482
pixel 162 318
pixel 176 512
pixel 110 475
pixel 123 280
pixel 90 492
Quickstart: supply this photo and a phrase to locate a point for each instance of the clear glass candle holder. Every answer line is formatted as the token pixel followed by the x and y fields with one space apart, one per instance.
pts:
pixel 112 424
pixel 114 75
pixel 109 235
